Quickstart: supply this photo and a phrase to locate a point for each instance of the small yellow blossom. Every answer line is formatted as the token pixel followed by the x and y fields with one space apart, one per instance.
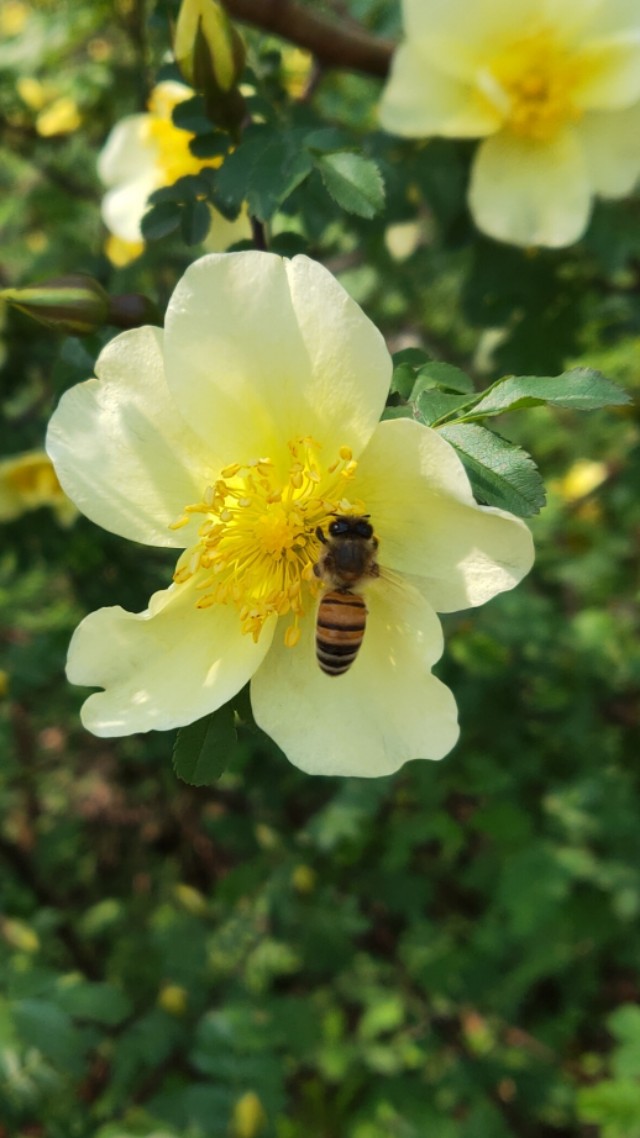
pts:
pixel 190 899
pixel 19 935
pixel 28 481
pixel 553 89
pixel 581 479
pixel 304 879
pixel 60 117
pixel 37 241
pixel 297 66
pixel 173 999
pixel 142 154
pixel 249 1116
pixel 32 92
pixel 13 17
pixel 121 252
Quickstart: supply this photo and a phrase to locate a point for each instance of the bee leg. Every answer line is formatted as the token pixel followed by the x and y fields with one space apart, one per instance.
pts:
pixel 374 571
pixel 317 570
pixel 320 536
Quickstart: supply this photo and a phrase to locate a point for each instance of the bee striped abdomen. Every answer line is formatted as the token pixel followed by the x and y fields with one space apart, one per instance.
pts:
pixel 342 618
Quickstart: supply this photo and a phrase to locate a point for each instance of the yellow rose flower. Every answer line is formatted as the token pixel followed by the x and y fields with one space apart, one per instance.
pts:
pixel 28 481
pixel 552 88
pixel 145 152
pixel 233 435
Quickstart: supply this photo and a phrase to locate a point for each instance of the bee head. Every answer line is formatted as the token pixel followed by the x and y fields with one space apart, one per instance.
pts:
pixel 345 526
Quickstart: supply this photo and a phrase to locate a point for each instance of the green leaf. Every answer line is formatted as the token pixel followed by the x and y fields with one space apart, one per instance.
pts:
pixel 414 357
pixel 582 389
pixel 195 222
pixel 45 1026
pixel 276 173
pixel 203 749
pixel 354 182
pixel 501 474
pixel 327 139
pixel 214 144
pixel 447 376
pixel 190 115
pixel 435 404
pixel 263 171
pixel 398 411
pixel 184 189
pixel 161 220
pixel 96 1002
pixel 403 380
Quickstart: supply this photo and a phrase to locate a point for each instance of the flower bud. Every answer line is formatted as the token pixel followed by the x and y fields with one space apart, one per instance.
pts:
pixel 132 310
pixel 78 305
pixel 75 304
pixel 210 54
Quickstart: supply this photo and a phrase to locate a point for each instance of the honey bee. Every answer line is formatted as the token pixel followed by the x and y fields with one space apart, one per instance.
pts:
pixel 349 556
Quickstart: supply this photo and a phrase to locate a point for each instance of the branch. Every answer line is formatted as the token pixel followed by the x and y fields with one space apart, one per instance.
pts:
pixel 333 44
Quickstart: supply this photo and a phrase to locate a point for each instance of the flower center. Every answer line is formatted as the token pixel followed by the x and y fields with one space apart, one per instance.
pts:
pixel 175 159
pixel 257 543
pixel 533 82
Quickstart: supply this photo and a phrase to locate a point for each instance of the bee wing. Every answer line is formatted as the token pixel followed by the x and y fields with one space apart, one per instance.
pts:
pixel 389 579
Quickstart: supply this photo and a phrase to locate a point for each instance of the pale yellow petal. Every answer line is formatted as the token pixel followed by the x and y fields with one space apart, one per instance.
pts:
pixel 468 31
pixel 260 350
pixel 609 17
pixel 430 526
pixel 421 100
pixel 121 450
pixel 386 710
pixel 611 146
pixel 164 667
pixel 531 193
pixel 124 207
pixel 125 151
pixel 611 73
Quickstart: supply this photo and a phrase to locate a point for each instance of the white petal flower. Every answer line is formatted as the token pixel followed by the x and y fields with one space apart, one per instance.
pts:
pixel 247 425
pixel 552 89
pixel 145 152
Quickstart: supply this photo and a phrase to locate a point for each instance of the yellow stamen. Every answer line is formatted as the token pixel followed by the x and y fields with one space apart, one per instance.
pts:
pixel 171 142
pixel 533 82
pixel 257 543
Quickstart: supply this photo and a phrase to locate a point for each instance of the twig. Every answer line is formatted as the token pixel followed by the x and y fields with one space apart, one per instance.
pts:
pixel 333 44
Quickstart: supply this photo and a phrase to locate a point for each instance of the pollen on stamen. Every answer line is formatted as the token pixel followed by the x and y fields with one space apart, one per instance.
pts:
pixel 292 635
pixel 257 543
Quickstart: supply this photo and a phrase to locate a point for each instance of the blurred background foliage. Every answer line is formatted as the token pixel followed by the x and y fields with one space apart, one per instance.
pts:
pixel 453 951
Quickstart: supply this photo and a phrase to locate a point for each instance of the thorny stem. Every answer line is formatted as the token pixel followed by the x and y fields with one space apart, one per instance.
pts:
pixel 333 44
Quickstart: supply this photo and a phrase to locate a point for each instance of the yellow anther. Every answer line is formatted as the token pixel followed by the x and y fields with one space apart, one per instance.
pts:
pixel 183 521
pixel 207 601
pixel 257 544
pixel 292 635
pixel 231 470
